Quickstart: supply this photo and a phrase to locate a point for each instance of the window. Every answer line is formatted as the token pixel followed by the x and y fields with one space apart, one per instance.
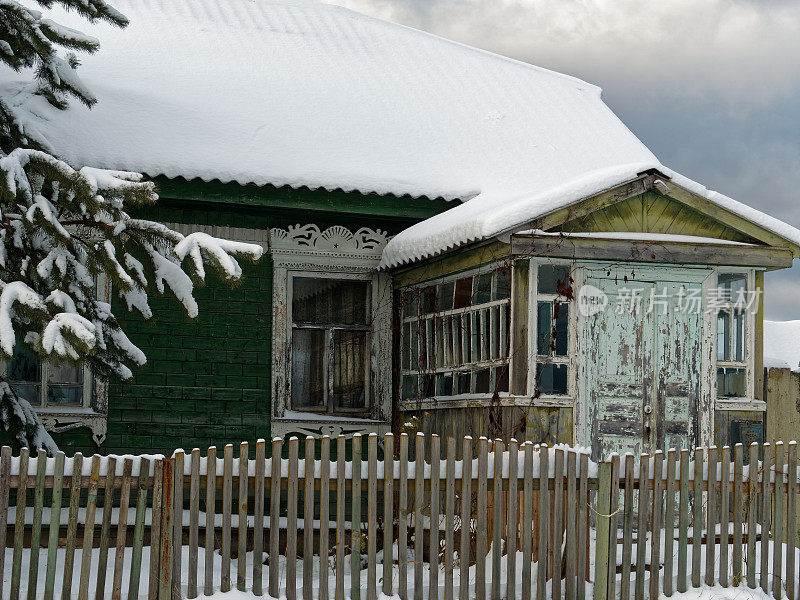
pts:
pixel 733 303
pixel 330 345
pixel 553 287
pixel 48 384
pixel 455 336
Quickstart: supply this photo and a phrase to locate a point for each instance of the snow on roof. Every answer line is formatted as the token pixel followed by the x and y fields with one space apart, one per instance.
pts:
pixel 782 344
pixel 291 92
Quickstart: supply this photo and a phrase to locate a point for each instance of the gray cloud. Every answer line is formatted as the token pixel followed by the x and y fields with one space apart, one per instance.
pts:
pixel 712 87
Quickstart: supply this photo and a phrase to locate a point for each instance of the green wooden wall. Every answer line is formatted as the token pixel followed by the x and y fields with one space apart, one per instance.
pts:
pixel 207 381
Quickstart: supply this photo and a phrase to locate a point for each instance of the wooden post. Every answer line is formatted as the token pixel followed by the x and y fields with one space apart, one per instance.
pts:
pixel 601 568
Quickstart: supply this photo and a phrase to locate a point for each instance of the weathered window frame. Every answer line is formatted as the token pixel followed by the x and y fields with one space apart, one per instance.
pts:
pixel 450 325
pixel 337 253
pixel 748 363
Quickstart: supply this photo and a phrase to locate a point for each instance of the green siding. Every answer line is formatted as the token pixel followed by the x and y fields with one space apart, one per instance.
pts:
pixel 207 381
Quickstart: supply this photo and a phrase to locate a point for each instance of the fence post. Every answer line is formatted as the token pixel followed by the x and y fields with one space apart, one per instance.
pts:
pixel 166 541
pixel 603 532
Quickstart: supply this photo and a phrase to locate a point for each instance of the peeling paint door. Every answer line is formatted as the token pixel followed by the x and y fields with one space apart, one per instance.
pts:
pixel 643 365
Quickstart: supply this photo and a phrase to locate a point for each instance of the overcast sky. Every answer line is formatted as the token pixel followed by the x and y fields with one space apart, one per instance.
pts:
pixel 712 87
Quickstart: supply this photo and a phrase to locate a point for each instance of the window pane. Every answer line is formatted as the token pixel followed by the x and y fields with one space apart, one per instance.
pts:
pixel 463 296
pixel 349 369
pixel 64 373
pixel 429 304
pixel 65 395
pixel 24 374
pixel 551 277
pixel 552 378
pixel 409 389
pixel 444 385
pixel 413 345
pixel 410 303
pixel 308 359
pixel 446 291
pixel 463 380
pixel 319 300
pixel 483 289
pixel 544 328
pixel 731 383
pixel 723 333
pixel 731 285
pixel 502 288
pixel 501 378
pixel 482 381
pixel 738 335
pixel 562 320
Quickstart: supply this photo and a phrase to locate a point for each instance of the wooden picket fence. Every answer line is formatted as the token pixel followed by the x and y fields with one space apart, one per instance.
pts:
pixel 425 527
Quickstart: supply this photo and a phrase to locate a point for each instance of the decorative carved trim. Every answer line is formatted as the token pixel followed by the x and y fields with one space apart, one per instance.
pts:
pixel 283 427
pixel 337 240
pixel 67 421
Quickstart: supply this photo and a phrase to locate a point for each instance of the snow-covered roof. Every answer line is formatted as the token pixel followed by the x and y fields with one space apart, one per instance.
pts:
pixel 781 346
pixel 299 93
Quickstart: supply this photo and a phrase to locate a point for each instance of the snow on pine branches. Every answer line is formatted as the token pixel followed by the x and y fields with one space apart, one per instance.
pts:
pixel 63 227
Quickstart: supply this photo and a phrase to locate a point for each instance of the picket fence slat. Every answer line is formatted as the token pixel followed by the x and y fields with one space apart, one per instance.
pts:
pixel 527 522
pixel 355 523
pixel 324 511
pixel 36 530
pixel 177 521
pixel 433 529
pixel 724 515
pixel 791 520
pixel 544 522
pixel 55 517
pixel 388 516
pixel 5 476
pixel 308 520
pixel 497 515
pixel 19 525
pixel 466 519
pixel 558 521
pixel 72 523
pixel 641 527
pixel 683 521
pixel 449 511
pixel 752 505
pixel 480 547
pixel 227 493
pixel 711 517
pixel 669 523
pixel 211 514
pixel 291 522
pixel 167 524
pixel 511 543
pixel 419 500
pixel 583 527
pixel 88 530
pixel 372 512
pixel 105 527
pixel 736 507
pixel 340 537
pixel 155 529
pixel 613 523
pixel 122 529
pixel 274 519
pixel 194 520
pixel 697 515
pixel 766 514
pixel 258 519
pixel 402 520
pixel 571 547
pixel 138 530
pixel 777 528
pixel 241 538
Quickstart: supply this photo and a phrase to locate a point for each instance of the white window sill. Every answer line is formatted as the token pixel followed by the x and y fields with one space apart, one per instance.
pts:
pixel 745 404
pixel 483 400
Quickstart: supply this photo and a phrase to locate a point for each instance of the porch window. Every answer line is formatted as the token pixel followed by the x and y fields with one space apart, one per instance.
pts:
pixel 732 303
pixel 455 336
pixel 552 329
pixel 330 345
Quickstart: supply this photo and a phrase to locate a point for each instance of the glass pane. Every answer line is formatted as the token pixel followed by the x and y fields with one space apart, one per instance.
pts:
pixel 723 336
pixel 64 373
pixel 544 328
pixel 444 385
pixel 410 303
pixel 429 304
pixel 446 291
pixel 731 383
pixel 29 392
pixel 463 380
pixel 65 395
pixel 482 381
pixel 562 320
pixel 318 300
pixel 409 389
pixel 463 296
pixel 501 378
pixel 731 285
pixel 308 373
pixel 502 289
pixel 413 345
pixel 349 369
pixel 428 386
pixel 551 278
pixel 483 289
pixel 738 335
pixel 24 365
pixel 552 378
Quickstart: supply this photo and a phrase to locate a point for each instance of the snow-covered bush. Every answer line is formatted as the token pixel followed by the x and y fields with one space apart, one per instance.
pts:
pixel 62 226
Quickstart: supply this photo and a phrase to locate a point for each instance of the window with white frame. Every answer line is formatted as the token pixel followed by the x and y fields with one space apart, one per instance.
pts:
pixel 734 303
pixel 48 384
pixel 553 291
pixel 455 335
pixel 330 342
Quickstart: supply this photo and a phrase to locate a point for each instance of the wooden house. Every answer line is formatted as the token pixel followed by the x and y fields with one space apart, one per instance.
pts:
pixel 449 234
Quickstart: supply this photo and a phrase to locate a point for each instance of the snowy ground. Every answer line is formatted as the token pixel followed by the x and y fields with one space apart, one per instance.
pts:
pixel 704 593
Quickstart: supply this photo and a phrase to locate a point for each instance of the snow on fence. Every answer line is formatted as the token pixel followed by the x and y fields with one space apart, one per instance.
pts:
pixel 631 527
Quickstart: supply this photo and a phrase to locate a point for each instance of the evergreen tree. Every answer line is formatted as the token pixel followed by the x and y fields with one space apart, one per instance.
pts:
pixel 61 226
